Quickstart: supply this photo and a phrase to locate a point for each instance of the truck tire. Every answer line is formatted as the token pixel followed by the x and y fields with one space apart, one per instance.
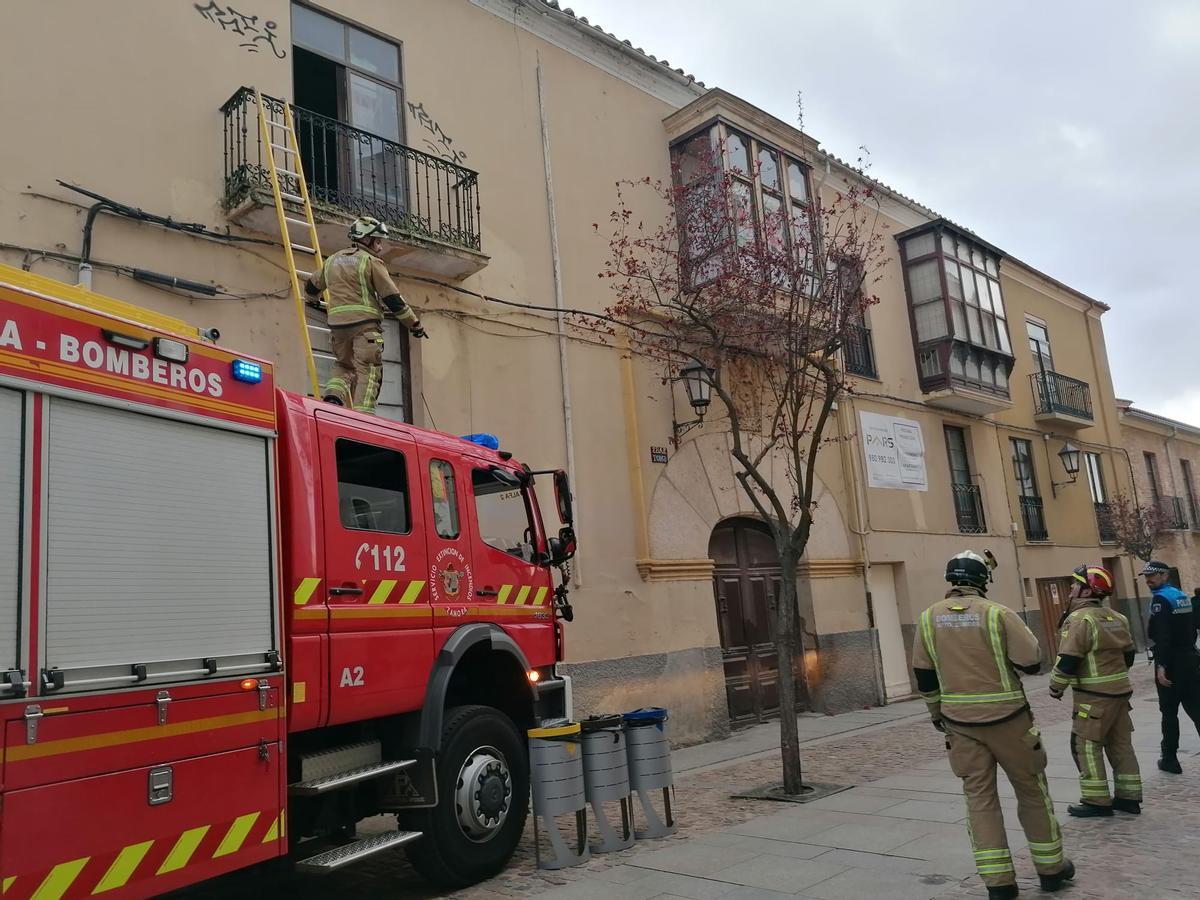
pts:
pixel 471 834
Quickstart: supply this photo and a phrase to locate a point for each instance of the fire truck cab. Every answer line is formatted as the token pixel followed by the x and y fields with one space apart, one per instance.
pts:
pixel 240 621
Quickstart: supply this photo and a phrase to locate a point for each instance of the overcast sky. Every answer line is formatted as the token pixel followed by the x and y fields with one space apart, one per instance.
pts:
pixel 1065 133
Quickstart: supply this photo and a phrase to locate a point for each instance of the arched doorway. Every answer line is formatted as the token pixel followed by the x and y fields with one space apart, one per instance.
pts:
pixel 746 582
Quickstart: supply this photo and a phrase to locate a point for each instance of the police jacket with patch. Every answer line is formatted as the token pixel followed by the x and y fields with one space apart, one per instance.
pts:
pixel 1095 651
pixel 1172 626
pixel 965 657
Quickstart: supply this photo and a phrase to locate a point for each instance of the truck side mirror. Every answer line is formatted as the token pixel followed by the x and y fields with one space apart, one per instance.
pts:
pixel 562 548
pixel 563 499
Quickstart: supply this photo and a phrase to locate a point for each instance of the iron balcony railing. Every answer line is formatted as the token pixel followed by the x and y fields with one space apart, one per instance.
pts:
pixel 1054 393
pixel 1033 517
pixel 1173 513
pixel 354 172
pixel 859 352
pixel 968 509
pixel 1104 523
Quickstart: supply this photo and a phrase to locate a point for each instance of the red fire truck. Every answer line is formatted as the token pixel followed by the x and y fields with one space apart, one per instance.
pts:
pixel 240 621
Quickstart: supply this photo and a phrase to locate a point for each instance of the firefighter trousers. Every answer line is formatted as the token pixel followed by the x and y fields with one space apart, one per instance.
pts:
pixel 357 365
pixel 1016 747
pixel 1184 691
pixel 1102 726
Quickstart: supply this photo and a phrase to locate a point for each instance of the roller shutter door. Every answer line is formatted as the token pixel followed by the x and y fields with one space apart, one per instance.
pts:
pixel 158 542
pixel 11 465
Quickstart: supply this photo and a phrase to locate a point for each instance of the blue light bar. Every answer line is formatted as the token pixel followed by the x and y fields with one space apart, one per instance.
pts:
pixel 249 372
pixel 484 440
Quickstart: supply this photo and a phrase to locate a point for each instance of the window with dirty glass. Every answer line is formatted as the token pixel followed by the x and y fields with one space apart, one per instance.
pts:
pixel 503 514
pixel 372 488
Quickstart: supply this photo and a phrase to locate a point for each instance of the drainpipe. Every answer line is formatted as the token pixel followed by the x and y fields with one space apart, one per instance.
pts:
pixel 563 367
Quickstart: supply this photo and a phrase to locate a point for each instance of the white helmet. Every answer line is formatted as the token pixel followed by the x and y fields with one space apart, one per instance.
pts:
pixel 364 228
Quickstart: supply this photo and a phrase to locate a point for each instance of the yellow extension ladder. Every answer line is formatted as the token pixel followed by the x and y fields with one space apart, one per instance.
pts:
pixel 289 150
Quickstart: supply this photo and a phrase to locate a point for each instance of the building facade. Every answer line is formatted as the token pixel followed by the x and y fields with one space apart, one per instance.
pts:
pixel 976 368
pixel 1163 456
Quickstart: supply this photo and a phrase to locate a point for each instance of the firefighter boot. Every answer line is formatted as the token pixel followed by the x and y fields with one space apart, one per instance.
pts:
pixel 1133 807
pixel 1004 892
pixel 1088 810
pixel 1170 763
pixel 1057 881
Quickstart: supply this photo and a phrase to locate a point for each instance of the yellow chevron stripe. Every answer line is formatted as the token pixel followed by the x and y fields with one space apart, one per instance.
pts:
pixel 540 597
pixel 183 850
pixel 304 593
pixel 273 832
pixel 60 879
pixel 383 591
pixel 522 595
pixel 123 867
pixel 505 590
pixel 412 592
pixel 236 835
pixel 8 882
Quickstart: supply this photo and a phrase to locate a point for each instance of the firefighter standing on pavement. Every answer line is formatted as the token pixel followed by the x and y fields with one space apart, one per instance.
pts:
pixel 359 289
pixel 1176 662
pixel 964 657
pixel 1094 657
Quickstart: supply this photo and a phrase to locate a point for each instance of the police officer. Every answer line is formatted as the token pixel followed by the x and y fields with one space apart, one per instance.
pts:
pixel 359 289
pixel 1176 663
pixel 964 657
pixel 1094 656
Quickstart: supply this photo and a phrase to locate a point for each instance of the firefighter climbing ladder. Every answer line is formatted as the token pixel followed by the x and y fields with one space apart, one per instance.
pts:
pixel 289 150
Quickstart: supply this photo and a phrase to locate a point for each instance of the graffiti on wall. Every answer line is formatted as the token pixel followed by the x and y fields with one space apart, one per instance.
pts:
pixel 242 25
pixel 436 140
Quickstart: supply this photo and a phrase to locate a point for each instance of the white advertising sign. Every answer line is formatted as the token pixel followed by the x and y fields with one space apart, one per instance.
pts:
pixel 895 453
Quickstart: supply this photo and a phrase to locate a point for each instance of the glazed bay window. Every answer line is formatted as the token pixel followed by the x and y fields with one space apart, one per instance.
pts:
pixel 768 197
pixel 960 325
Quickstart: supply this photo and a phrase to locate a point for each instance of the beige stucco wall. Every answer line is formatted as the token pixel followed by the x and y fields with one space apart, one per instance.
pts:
pixel 1170 445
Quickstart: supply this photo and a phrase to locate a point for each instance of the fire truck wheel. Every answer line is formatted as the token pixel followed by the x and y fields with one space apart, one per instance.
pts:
pixel 483 793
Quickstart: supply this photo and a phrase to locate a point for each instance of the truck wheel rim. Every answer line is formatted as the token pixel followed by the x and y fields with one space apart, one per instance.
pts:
pixel 483 794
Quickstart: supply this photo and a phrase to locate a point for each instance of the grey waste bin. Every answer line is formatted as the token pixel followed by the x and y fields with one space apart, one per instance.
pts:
pixel 556 775
pixel 648 748
pixel 606 780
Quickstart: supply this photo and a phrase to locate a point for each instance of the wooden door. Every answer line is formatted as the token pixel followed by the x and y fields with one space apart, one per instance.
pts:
pixel 746 586
pixel 1054 599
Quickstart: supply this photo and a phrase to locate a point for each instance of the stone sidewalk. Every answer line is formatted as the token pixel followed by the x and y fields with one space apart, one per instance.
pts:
pixel 901 836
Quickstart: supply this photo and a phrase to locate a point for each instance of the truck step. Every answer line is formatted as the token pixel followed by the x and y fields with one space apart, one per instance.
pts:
pixel 336 760
pixel 332 860
pixel 349 777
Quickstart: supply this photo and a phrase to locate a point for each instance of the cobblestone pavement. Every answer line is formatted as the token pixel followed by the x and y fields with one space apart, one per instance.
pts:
pixel 897 835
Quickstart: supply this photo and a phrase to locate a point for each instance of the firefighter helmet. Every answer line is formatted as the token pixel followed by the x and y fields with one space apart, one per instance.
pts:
pixel 364 228
pixel 1097 579
pixel 968 568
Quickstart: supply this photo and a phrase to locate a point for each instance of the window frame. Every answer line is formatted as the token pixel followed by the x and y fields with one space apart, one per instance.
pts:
pixel 1151 460
pixel 1189 488
pixel 719 131
pixel 406 493
pixel 1041 361
pixel 531 519
pixel 346 63
pixel 1094 464
pixel 937 355
pixel 448 474
pixel 961 436
pixel 1018 463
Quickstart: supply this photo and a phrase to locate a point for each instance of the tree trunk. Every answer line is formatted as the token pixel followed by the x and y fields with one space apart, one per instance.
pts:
pixel 787 644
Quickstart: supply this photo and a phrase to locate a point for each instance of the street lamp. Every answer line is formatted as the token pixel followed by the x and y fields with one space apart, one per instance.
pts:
pixel 697 381
pixel 1069 454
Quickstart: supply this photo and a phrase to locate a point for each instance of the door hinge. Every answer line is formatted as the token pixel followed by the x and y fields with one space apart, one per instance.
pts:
pixel 32 714
pixel 162 701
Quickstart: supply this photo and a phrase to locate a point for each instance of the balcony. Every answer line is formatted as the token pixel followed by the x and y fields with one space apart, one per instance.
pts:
pixel 859 352
pixel 1172 513
pixel 1104 523
pixel 1033 518
pixel 1061 400
pixel 959 376
pixel 968 509
pixel 431 205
